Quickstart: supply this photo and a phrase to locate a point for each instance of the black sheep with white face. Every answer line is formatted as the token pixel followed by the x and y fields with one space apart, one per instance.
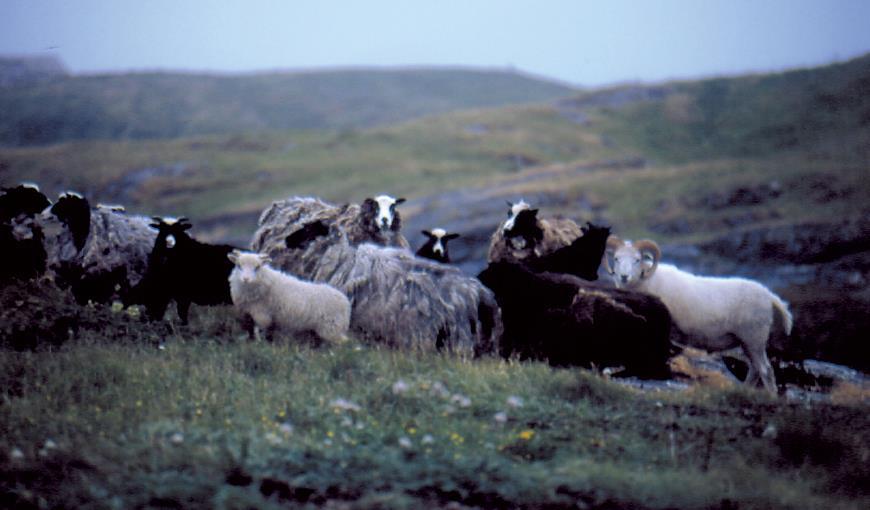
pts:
pixel 435 247
pixel 185 270
pixel 524 232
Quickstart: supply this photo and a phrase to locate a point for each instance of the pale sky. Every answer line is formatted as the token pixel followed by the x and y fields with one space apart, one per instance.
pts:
pixel 581 42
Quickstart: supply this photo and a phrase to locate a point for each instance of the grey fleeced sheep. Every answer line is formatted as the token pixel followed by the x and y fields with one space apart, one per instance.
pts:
pixel 524 236
pixel 100 253
pixel 397 299
pixel 275 300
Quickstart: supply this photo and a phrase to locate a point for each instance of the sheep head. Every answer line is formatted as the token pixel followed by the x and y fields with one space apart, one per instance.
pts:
pixel 513 211
pixel 381 212
pixel 632 262
pixel 169 230
pixel 248 264
pixel 438 238
pixel 74 211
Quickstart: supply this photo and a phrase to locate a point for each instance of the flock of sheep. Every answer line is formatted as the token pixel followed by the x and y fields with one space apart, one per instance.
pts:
pixel 329 271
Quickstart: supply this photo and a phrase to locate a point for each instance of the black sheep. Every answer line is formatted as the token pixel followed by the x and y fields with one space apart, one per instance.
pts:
pixel 185 270
pixel 569 322
pixel 435 247
pixel 23 199
pixel 21 237
pixel 581 258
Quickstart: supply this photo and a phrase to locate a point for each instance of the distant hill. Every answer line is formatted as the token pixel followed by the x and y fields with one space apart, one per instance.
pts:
pixel 170 105
pixel 28 70
pixel 746 116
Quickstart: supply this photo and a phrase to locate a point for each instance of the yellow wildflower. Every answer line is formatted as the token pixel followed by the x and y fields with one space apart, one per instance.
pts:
pixel 527 434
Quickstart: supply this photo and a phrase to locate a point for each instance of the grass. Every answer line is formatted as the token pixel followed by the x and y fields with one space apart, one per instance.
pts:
pixel 198 417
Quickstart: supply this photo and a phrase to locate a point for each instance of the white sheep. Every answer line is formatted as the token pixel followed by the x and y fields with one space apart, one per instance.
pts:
pixel 277 300
pixel 714 313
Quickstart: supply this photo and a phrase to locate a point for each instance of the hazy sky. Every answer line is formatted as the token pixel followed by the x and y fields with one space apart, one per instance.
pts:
pixel 581 42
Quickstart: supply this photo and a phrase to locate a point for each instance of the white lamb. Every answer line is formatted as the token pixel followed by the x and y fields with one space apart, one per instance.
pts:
pixel 277 300
pixel 713 313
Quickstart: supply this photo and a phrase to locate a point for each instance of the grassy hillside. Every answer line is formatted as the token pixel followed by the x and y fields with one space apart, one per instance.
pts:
pixel 195 417
pixel 825 109
pixel 564 153
pixel 163 105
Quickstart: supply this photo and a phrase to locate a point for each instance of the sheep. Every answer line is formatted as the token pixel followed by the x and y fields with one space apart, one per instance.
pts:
pixel 24 199
pixel 278 300
pixel 713 313
pixel 375 221
pixel 435 247
pixel 524 236
pixel 397 299
pixel 185 270
pixel 581 258
pixel 21 236
pixel 100 254
pixel 569 322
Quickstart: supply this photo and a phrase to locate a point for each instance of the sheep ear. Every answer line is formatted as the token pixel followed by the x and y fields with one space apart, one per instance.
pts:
pixel 426 233
pixel 234 256
pixel 450 236
pixel 650 254
pixel 400 201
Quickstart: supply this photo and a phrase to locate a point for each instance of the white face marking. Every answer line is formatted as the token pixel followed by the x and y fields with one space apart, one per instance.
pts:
pixel 170 220
pixel 512 215
pixel 384 218
pixel 439 234
pixel 170 241
pixel 31 185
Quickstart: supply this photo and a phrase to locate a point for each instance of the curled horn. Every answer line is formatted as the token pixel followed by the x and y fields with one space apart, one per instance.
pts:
pixel 648 247
pixel 613 243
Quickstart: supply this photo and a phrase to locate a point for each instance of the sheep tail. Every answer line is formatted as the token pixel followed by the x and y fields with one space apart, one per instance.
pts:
pixel 782 307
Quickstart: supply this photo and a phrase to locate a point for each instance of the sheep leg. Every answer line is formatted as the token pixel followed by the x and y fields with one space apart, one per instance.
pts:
pixel 183 307
pixel 759 366
pixel 248 325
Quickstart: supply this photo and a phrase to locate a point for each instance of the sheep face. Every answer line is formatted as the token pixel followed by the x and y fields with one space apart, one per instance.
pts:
pixel 634 262
pixel 525 232
pixel 382 211
pixel 247 264
pixel 438 238
pixel 513 211
pixel 170 230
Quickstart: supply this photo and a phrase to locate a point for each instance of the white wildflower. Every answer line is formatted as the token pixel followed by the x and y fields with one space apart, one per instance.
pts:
pixel 500 417
pixel 427 439
pixel 344 405
pixel 461 400
pixel 49 444
pixel 400 387
pixel 406 443
pixel 16 454
pixel 514 401
pixel 272 438
pixel 286 428
pixel 439 390
pixel 176 438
